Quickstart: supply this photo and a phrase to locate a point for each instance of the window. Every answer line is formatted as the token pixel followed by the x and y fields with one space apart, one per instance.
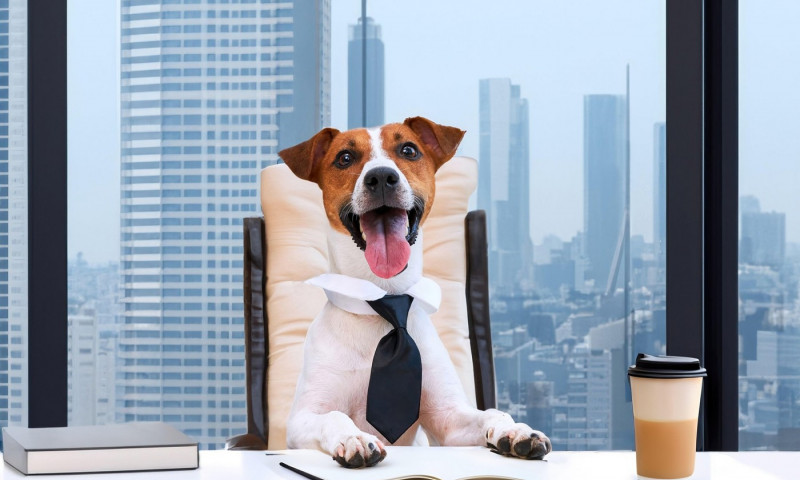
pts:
pixel 567 124
pixel 155 282
pixel 577 290
pixel 769 239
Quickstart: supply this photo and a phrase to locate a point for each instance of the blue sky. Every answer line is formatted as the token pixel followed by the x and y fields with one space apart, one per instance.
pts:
pixel 436 52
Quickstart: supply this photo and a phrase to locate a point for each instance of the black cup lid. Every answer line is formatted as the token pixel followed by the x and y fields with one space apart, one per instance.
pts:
pixel 663 366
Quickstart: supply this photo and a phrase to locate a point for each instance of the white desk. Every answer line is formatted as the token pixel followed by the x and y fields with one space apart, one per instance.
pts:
pixel 225 465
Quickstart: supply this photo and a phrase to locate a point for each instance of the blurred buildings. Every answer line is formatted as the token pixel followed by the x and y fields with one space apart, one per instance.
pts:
pixel 769 331
pixel 563 342
pixel 504 185
pixel 359 115
pixel 13 213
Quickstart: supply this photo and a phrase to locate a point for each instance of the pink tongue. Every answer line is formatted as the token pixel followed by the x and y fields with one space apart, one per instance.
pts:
pixel 387 249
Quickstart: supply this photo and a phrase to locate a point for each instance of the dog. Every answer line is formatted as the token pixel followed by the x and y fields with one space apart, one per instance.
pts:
pixel 377 189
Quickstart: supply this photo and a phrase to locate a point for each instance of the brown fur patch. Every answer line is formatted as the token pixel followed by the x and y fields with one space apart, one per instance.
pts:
pixel 338 184
pixel 315 160
pixel 420 172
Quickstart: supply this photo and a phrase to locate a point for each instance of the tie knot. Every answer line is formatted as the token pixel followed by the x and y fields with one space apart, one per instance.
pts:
pixel 393 308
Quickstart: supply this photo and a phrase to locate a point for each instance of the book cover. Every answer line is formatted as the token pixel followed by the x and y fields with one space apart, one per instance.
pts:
pixel 99 448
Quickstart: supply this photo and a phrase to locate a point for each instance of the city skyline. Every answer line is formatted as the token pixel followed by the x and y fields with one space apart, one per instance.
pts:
pixel 555 79
pixel 561 342
pixel 555 130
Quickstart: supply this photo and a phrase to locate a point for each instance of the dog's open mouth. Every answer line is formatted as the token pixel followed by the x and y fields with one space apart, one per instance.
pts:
pixel 385 234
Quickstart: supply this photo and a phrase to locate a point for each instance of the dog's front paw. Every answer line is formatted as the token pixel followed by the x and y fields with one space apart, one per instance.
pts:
pixel 357 451
pixel 520 441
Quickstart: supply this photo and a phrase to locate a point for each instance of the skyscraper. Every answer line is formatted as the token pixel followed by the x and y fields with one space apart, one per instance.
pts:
pixel 605 142
pixel 503 182
pixel 748 204
pixel 763 238
pixel 356 77
pixel 210 92
pixel 660 194
pixel 13 213
pixel 94 314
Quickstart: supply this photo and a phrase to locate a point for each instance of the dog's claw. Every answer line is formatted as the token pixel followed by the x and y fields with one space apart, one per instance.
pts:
pixel 358 461
pixel 376 457
pixel 358 452
pixel 541 449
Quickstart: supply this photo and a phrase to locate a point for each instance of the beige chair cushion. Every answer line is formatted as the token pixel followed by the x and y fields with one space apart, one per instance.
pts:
pixel 297 250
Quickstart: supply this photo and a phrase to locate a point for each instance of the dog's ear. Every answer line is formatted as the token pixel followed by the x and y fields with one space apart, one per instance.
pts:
pixel 303 159
pixel 440 139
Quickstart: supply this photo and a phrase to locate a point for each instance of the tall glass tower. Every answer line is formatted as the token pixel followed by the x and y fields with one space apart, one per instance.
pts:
pixel 504 182
pixel 210 91
pixel 13 212
pixel 356 76
pixel 605 141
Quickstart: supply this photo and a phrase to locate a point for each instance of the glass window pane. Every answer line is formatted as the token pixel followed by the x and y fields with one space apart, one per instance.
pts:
pixel 572 176
pixel 13 213
pixel 174 108
pixel 769 240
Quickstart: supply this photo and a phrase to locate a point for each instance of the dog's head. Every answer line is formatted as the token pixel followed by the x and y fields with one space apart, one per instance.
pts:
pixel 377 184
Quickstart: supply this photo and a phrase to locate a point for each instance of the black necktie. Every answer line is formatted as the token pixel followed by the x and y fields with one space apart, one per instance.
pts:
pixel 395 383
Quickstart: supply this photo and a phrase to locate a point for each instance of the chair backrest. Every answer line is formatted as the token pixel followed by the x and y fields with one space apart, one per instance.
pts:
pixel 293 248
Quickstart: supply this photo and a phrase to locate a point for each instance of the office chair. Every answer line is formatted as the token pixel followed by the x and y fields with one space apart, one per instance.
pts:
pixel 288 245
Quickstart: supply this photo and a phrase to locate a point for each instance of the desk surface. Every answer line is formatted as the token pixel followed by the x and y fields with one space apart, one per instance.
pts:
pixel 224 465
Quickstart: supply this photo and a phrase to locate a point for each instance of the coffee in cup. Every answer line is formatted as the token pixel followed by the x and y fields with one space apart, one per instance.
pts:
pixel 666 401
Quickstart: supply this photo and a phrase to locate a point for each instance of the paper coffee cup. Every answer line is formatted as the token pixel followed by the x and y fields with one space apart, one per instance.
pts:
pixel 666 401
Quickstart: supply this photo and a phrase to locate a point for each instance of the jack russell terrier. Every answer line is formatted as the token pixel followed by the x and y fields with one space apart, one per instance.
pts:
pixel 352 398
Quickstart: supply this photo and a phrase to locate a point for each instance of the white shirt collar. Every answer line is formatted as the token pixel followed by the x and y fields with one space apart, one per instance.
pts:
pixel 351 294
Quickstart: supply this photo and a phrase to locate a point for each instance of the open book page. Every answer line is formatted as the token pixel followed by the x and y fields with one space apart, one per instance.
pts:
pixel 425 463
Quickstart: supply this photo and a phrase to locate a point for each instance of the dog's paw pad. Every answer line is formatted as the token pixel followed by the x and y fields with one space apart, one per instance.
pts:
pixel 523 447
pixel 532 446
pixel 504 445
pixel 522 442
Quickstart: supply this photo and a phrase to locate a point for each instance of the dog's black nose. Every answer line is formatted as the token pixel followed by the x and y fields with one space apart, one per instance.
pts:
pixel 381 179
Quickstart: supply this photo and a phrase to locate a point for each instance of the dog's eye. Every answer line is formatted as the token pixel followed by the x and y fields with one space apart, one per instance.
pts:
pixel 409 151
pixel 344 159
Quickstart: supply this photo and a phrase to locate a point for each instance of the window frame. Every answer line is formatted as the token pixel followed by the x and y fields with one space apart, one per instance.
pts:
pixel 47 213
pixel 702 207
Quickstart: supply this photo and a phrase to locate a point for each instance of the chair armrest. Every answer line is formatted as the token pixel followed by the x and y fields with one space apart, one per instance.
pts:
pixel 478 309
pixel 245 441
pixel 255 326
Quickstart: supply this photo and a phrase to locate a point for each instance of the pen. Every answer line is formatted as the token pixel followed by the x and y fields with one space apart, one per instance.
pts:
pixel 299 472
